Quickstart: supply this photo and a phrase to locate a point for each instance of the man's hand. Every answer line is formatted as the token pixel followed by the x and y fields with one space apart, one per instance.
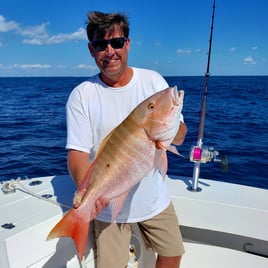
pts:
pixel 78 195
pixel 100 204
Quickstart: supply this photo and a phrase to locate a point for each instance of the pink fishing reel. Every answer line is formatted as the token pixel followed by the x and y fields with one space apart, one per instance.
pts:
pixel 203 154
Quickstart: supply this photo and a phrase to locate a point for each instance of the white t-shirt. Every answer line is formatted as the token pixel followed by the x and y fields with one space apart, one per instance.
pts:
pixel 93 110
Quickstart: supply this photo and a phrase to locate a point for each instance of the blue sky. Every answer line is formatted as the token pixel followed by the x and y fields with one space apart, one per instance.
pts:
pixel 47 38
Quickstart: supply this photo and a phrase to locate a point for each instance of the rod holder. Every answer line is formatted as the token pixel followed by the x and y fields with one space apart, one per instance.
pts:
pixel 200 155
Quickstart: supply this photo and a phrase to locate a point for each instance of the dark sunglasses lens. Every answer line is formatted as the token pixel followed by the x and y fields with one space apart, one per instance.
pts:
pixel 100 45
pixel 117 42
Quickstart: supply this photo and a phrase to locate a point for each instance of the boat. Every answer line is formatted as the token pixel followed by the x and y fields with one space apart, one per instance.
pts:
pixel 223 225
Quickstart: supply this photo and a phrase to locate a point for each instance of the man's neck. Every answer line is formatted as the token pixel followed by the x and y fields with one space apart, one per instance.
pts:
pixel 118 81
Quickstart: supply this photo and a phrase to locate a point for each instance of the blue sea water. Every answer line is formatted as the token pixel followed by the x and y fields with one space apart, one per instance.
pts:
pixel 33 129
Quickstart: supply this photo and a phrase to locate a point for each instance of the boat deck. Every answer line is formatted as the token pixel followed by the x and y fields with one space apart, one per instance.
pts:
pixel 210 219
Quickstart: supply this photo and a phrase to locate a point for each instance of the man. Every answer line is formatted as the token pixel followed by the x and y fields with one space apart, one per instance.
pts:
pixel 94 108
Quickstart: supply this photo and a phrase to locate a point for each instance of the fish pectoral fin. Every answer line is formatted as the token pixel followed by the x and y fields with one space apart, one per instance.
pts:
pixel 170 148
pixel 75 227
pixel 117 203
pixel 173 149
pixel 160 162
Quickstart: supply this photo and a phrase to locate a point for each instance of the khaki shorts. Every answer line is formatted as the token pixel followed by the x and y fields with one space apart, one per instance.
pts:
pixel 161 233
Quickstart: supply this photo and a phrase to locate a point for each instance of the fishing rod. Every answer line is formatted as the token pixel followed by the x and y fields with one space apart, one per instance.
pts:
pixel 199 153
pixel 207 74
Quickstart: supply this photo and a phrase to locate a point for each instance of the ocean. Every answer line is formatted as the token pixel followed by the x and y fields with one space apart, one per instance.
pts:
pixel 33 128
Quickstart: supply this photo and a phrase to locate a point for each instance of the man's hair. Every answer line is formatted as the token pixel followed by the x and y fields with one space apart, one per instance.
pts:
pixel 99 24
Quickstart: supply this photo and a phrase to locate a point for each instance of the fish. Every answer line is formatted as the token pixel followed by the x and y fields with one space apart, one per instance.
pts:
pixel 126 155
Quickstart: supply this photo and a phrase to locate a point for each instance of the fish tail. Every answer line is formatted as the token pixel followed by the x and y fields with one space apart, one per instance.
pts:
pixel 75 227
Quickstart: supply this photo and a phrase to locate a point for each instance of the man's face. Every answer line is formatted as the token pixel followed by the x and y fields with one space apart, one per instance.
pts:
pixel 111 60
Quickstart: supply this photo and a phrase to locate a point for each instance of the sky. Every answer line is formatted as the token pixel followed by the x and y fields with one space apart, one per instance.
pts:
pixel 48 38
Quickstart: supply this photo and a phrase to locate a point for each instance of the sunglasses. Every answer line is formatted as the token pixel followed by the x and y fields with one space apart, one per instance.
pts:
pixel 100 45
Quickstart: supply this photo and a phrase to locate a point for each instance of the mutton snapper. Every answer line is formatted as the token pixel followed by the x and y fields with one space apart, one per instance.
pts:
pixel 126 155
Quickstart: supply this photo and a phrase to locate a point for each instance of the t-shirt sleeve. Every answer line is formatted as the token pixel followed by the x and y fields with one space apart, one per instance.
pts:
pixel 161 83
pixel 79 129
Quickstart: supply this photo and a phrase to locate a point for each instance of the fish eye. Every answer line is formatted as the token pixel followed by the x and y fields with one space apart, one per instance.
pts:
pixel 151 106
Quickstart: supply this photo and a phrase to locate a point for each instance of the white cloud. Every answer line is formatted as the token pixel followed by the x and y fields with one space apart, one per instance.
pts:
pixel 35 66
pixel 34 41
pixel 87 67
pixel 6 26
pixel 38 31
pixel 38 34
pixel 80 34
pixel 26 66
pixel 61 66
pixel 255 48
pixel 232 49
pixel 184 51
pixel 249 60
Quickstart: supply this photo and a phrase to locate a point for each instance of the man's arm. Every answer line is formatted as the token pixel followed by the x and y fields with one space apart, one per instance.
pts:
pixel 78 164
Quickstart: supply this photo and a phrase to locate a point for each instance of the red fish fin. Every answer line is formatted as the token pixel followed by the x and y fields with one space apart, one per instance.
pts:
pixel 170 148
pixel 173 149
pixel 117 204
pixel 161 162
pixel 75 227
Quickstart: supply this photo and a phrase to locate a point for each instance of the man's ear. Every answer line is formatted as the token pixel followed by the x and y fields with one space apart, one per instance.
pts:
pixel 91 50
